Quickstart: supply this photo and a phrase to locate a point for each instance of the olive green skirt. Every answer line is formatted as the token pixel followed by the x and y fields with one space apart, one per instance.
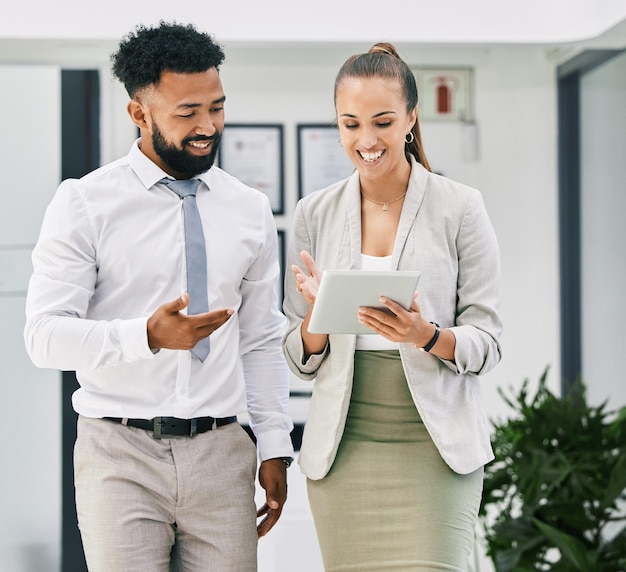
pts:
pixel 389 501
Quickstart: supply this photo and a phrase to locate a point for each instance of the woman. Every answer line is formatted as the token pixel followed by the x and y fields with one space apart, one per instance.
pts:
pixel 396 437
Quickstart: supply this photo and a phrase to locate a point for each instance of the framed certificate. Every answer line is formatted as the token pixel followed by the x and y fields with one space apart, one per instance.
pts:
pixel 321 158
pixel 254 155
pixel 281 262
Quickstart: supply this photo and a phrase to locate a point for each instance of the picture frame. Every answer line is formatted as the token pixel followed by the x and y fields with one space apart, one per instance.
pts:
pixel 445 93
pixel 282 255
pixel 253 153
pixel 321 158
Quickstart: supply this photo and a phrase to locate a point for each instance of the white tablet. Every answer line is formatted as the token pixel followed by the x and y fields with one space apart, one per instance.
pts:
pixel 342 292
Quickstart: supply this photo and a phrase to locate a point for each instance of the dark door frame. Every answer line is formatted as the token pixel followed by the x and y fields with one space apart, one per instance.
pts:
pixel 569 76
pixel 80 154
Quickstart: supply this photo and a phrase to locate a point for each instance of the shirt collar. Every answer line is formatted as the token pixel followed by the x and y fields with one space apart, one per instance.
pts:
pixel 150 173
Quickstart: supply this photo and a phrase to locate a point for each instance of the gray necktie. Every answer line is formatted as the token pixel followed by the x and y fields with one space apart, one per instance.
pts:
pixel 196 255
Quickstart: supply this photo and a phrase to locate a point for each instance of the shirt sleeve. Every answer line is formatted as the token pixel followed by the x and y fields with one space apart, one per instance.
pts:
pixel 58 333
pixel 261 329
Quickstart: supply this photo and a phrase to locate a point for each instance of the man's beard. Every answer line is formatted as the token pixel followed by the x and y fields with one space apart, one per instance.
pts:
pixel 180 160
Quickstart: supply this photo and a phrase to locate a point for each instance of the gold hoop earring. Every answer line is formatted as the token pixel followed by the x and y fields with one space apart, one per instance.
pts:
pixel 410 139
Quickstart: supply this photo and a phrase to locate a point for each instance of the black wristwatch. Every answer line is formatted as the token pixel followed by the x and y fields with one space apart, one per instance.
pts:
pixel 287 461
pixel 433 341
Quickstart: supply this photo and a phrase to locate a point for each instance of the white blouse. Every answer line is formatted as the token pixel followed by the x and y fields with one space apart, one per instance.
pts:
pixel 375 341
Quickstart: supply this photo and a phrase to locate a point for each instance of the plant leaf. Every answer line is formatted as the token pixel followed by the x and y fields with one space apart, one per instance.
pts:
pixel 616 484
pixel 571 548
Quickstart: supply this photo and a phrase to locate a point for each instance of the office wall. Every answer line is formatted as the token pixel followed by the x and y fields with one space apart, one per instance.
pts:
pixel 515 168
pixel 603 234
pixel 31 413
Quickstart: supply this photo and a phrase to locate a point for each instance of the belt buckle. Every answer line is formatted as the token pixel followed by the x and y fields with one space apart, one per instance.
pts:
pixel 159 422
pixel 157 428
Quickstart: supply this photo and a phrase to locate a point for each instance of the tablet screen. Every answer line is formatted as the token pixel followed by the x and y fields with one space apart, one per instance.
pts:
pixel 342 292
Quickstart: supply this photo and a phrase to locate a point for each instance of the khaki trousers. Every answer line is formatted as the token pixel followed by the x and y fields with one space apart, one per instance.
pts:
pixel 141 500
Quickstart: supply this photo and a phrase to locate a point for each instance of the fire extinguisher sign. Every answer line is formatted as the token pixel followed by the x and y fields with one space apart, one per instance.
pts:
pixel 444 94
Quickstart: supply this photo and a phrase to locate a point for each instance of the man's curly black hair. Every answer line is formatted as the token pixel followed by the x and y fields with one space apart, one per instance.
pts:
pixel 146 52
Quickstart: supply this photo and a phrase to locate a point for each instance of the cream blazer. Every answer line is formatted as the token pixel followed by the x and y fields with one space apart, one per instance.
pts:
pixel 445 233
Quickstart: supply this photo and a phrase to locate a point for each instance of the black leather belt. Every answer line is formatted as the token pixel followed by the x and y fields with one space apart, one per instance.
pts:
pixel 164 427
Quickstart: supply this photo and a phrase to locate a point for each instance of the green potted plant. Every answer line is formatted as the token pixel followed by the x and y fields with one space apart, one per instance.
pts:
pixel 554 497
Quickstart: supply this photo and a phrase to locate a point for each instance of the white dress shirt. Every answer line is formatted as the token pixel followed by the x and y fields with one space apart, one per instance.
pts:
pixel 111 251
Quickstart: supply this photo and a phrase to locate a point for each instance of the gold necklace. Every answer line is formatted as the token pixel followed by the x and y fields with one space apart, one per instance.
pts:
pixel 385 203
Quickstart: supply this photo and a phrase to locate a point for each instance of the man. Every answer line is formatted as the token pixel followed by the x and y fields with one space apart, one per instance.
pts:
pixel 161 467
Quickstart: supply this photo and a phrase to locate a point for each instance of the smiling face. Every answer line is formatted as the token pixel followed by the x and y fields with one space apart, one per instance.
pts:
pixel 373 123
pixel 181 120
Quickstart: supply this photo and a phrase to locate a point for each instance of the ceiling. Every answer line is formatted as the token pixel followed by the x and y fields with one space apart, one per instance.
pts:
pixel 412 21
pixel 284 31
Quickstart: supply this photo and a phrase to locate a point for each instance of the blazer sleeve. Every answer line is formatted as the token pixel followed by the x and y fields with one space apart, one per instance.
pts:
pixel 478 325
pixel 294 306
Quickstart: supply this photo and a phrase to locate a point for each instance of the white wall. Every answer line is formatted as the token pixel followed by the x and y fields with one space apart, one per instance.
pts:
pixel 30 479
pixel 603 241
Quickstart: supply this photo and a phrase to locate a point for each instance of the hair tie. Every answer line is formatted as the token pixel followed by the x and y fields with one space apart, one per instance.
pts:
pixel 380 49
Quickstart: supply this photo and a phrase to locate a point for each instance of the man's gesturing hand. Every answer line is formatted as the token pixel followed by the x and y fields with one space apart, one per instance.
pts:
pixel 169 328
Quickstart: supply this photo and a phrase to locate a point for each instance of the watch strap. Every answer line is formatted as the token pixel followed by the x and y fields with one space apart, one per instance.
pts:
pixel 433 340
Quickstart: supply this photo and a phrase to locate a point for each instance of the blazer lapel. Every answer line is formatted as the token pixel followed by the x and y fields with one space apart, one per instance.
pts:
pixel 404 250
pixel 350 252
pixel 353 204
